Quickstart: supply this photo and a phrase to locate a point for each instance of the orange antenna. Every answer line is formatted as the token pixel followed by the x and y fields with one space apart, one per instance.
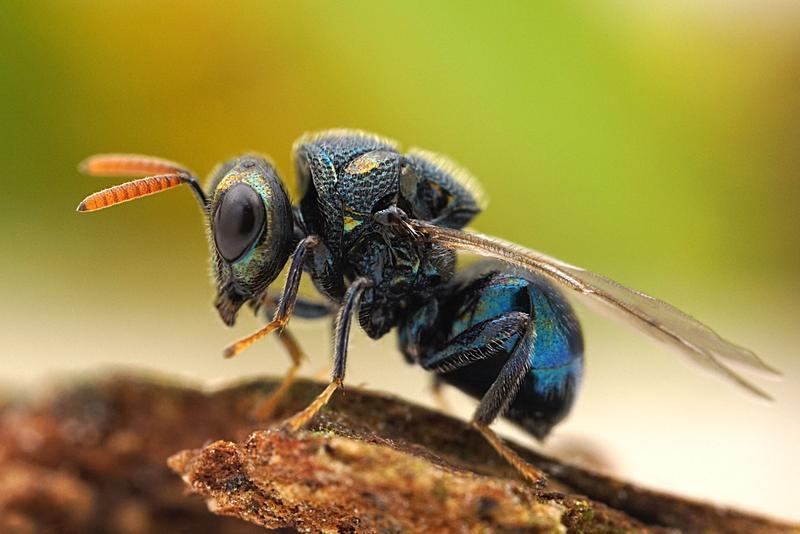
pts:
pixel 129 191
pixel 160 175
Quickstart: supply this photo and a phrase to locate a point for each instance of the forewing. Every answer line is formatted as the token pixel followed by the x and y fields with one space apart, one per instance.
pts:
pixel 653 316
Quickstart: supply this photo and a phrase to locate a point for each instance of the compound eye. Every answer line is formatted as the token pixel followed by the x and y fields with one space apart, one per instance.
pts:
pixel 238 221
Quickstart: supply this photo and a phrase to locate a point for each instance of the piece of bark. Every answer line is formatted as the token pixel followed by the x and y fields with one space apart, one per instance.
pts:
pixel 333 484
pixel 368 461
pixel 91 458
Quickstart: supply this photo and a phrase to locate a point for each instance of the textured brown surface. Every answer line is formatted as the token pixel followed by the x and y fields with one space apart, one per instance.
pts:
pixel 92 457
pixel 317 483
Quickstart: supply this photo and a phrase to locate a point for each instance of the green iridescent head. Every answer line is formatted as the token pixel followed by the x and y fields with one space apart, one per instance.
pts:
pixel 250 231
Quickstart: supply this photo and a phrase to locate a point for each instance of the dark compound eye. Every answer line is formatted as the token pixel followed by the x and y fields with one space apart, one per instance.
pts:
pixel 238 221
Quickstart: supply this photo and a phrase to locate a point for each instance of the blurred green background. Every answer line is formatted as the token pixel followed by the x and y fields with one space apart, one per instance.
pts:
pixel 656 143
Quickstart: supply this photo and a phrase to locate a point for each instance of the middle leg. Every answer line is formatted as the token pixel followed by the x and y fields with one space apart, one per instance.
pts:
pixel 343 322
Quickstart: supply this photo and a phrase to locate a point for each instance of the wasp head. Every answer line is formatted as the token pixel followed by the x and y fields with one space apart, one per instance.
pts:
pixel 250 231
pixel 249 216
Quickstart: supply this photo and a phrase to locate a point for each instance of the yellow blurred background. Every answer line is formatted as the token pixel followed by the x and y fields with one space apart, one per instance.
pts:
pixel 654 142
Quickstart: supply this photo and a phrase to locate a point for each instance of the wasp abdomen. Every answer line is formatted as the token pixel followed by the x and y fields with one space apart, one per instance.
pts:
pixel 470 334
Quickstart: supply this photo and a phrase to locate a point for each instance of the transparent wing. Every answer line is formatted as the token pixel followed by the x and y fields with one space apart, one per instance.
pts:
pixel 653 316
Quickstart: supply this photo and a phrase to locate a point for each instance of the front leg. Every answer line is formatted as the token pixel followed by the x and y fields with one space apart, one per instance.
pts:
pixel 343 321
pixel 288 299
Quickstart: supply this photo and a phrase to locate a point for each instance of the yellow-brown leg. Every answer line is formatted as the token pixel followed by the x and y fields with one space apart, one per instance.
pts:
pixel 438 396
pixel 264 331
pixel 528 472
pixel 343 321
pixel 266 409
pixel 287 302
pixel 300 419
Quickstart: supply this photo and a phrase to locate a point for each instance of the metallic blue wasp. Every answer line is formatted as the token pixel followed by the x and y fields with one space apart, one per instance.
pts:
pixel 377 231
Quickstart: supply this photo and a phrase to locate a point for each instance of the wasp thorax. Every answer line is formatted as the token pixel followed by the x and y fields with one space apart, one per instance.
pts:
pixel 251 231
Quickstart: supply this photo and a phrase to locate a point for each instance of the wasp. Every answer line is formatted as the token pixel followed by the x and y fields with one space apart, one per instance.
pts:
pixel 377 232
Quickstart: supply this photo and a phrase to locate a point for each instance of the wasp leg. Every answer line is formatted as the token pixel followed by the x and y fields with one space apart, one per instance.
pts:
pixel 306 309
pixel 438 395
pixel 479 342
pixel 288 299
pixel 500 395
pixel 528 472
pixel 343 321
pixel 303 307
pixel 267 408
pixel 476 343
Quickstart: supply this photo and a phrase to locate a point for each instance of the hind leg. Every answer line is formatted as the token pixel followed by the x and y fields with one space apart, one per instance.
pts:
pixel 500 395
pixel 482 341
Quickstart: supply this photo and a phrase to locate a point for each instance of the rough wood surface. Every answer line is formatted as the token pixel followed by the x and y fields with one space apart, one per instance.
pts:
pixel 91 457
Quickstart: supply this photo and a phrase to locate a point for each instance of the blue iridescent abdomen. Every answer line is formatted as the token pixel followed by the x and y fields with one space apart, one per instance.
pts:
pixel 548 389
